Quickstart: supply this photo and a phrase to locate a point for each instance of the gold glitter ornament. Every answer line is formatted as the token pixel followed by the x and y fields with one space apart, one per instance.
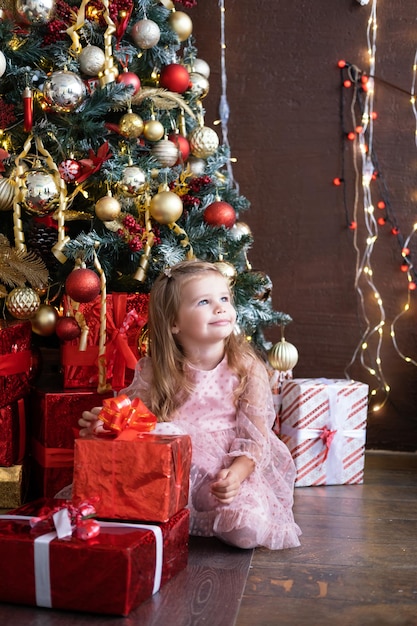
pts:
pixel 7 189
pixel 22 303
pixel 107 208
pixel 153 130
pixel 181 24
pixel 131 125
pixel 166 207
pixel 203 141
pixel 44 320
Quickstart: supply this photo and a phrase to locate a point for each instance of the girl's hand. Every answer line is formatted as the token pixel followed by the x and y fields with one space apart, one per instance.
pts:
pixel 89 422
pixel 226 486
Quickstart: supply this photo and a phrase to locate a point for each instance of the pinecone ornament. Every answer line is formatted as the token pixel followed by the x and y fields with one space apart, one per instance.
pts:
pixel 41 239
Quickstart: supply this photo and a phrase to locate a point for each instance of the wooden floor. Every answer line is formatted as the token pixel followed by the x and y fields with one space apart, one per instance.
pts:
pixel 357 566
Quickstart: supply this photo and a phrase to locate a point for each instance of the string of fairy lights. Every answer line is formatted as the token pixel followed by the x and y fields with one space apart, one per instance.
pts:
pixel 369 182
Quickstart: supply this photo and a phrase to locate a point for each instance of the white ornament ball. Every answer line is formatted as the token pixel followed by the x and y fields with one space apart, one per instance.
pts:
pixel 91 59
pixel 201 67
pixel 2 63
pixel 145 34
pixel 197 166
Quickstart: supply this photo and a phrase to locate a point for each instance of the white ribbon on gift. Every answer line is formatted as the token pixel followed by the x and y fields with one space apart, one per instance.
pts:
pixel 333 464
pixel 41 556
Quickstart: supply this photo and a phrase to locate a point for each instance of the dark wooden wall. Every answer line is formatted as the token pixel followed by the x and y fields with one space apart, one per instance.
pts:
pixel 283 89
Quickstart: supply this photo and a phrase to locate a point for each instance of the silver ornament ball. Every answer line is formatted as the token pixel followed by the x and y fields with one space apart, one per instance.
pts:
pixel 35 11
pixel 64 91
pixel 145 34
pixel 40 192
pixel 133 181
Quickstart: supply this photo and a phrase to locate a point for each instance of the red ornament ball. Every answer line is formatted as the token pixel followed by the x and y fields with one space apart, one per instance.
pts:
pixel 67 328
pixel 174 77
pixel 69 170
pixel 130 80
pixel 220 213
pixel 182 144
pixel 82 285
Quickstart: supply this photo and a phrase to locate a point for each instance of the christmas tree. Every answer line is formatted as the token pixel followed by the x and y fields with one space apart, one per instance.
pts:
pixel 107 164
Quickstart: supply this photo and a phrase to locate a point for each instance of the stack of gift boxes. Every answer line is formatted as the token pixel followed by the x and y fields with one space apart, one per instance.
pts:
pixel 15 372
pixel 133 482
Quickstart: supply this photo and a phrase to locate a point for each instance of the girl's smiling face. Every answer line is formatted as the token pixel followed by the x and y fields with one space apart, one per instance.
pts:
pixel 206 314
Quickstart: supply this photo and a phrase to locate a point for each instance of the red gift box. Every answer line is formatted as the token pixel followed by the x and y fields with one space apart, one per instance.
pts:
pixel 12 433
pixel 113 573
pixel 55 416
pixel 146 478
pixel 323 423
pixel 126 314
pixel 15 360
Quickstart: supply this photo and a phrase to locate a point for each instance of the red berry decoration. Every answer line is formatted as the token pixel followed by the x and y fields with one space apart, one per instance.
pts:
pixel 130 80
pixel 174 77
pixel 67 328
pixel 82 285
pixel 220 213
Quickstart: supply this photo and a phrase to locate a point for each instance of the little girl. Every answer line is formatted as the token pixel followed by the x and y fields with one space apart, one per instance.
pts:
pixel 206 380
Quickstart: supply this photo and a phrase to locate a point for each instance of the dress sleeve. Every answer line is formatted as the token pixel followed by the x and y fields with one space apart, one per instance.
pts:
pixel 141 384
pixel 255 417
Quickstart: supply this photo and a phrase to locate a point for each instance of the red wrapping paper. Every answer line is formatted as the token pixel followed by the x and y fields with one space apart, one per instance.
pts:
pixel 55 414
pixel 12 433
pixel 15 360
pixel 54 417
pixel 126 314
pixel 111 574
pixel 146 478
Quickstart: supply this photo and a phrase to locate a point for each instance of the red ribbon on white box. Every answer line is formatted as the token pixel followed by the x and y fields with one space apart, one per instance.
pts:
pixel 41 557
pixel 333 454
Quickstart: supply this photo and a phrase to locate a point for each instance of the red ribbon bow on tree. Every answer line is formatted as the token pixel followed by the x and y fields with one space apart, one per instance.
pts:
pixel 94 162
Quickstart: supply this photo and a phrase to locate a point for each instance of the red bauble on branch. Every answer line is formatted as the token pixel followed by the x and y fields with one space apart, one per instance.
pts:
pixel 174 77
pixel 183 145
pixel 130 80
pixel 82 285
pixel 67 328
pixel 220 213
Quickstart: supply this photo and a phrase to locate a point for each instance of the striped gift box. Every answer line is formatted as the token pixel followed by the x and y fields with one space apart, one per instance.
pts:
pixel 323 423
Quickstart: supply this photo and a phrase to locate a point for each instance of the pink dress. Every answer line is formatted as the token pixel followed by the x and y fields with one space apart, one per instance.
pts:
pixel 261 513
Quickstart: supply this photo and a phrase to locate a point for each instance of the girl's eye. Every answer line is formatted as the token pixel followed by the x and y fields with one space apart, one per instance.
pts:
pixel 202 302
pixel 225 299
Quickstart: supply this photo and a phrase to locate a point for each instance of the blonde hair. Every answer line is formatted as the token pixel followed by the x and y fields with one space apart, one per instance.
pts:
pixel 171 387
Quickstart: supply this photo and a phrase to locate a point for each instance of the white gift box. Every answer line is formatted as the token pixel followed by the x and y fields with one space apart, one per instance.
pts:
pixel 323 423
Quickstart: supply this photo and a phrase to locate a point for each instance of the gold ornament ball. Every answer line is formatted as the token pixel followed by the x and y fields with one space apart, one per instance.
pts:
pixel 240 229
pixel 181 24
pixel 165 152
pixel 22 303
pixel 227 269
pixel 153 130
pixel 107 208
pixel 203 141
pixel 131 125
pixel 7 189
pixel 166 207
pixel 44 321
pixel 283 356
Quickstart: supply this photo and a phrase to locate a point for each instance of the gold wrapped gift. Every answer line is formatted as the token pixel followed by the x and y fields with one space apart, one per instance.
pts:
pixel 11 486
